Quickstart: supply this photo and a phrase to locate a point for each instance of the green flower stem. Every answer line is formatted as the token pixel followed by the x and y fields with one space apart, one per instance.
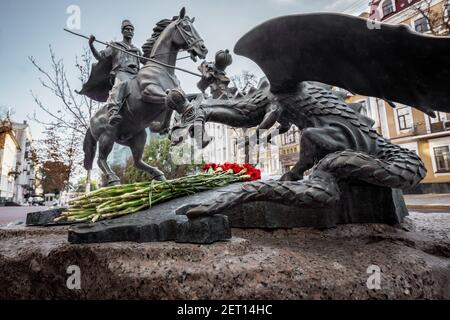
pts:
pixel 122 206
pixel 112 202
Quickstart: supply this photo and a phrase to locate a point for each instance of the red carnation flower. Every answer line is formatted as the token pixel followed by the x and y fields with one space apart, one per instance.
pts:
pixel 251 171
pixel 207 166
pixel 255 174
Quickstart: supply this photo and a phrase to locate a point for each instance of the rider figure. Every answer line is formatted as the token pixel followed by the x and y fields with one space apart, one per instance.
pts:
pixel 124 67
pixel 214 75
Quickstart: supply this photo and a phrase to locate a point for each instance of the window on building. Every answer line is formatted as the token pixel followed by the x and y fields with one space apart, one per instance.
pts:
pixel 447 11
pixel 404 118
pixel 440 116
pixel 442 158
pixel 388 7
pixel 290 136
pixel 421 24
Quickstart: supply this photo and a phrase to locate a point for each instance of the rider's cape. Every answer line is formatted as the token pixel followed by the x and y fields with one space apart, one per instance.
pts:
pixel 100 80
pixel 391 62
pixel 99 83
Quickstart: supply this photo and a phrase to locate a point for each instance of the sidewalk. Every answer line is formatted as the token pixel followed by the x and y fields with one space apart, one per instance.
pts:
pixel 14 214
pixel 428 202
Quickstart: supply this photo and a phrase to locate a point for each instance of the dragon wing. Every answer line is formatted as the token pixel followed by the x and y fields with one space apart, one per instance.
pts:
pixel 391 62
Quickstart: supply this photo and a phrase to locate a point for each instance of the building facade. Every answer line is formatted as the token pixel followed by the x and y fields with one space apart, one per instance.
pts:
pixel 219 149
pixel 17 164
pixel 25 163
pixel 404 125
pixel 414 130
pixel 9 147
pixel 425 16
pixel 265 156
pixel 289 143
pixel 228 145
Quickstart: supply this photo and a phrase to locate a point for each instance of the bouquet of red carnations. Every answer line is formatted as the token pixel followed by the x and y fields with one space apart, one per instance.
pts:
pixel 245 169
pixel 116 201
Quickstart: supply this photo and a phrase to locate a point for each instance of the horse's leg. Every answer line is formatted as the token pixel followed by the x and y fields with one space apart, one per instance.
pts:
pixel 137 144
pixel 105 145
pixel 153 93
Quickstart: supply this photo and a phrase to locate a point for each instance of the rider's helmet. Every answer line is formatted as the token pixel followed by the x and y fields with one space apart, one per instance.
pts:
pixel 223 59
pixel 126 23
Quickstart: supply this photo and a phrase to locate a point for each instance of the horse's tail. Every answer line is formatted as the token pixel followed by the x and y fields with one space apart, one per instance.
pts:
pixel 89 148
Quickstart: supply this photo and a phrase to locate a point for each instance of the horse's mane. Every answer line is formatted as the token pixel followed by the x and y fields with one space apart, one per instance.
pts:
pixel 157 30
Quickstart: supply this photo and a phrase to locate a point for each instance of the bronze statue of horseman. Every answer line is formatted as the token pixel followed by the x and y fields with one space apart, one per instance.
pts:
pixel 136 97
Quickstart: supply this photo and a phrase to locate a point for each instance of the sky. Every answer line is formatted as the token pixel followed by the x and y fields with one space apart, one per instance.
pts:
pixel 29 27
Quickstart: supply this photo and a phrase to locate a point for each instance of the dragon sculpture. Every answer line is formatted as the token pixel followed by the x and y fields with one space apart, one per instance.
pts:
pixel 337 143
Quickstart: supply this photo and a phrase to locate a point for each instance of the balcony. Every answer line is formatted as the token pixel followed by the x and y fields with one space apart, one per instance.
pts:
pixel 439 124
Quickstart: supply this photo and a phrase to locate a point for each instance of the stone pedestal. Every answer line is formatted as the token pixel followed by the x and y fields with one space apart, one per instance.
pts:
pixel 301 263
pixel 360 203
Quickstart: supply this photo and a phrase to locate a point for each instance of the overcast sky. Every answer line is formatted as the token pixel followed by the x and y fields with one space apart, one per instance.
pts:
pixel 28 27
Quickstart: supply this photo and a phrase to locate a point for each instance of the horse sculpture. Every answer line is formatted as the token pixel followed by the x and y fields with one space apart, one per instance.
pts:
pixel 145 102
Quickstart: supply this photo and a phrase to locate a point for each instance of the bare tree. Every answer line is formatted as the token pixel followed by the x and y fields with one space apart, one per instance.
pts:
pixel 72 157
pixel 244 81
pixel 438 20
pixel 59 158
pixel 75 110
pixel 6 112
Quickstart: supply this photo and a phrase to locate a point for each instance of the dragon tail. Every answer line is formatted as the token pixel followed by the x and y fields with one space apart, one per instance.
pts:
pixel 393 167
pixel 322 191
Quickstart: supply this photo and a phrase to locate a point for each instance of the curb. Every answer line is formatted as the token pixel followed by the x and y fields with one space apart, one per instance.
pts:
pixel 429 207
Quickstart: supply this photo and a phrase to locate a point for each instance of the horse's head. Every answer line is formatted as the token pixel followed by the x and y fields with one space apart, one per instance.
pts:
pixel 187 38
pixel 190 120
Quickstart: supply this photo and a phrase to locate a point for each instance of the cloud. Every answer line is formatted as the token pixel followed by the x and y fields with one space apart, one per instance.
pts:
pixel 347 6
pixel 284 1
pixel 339 4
